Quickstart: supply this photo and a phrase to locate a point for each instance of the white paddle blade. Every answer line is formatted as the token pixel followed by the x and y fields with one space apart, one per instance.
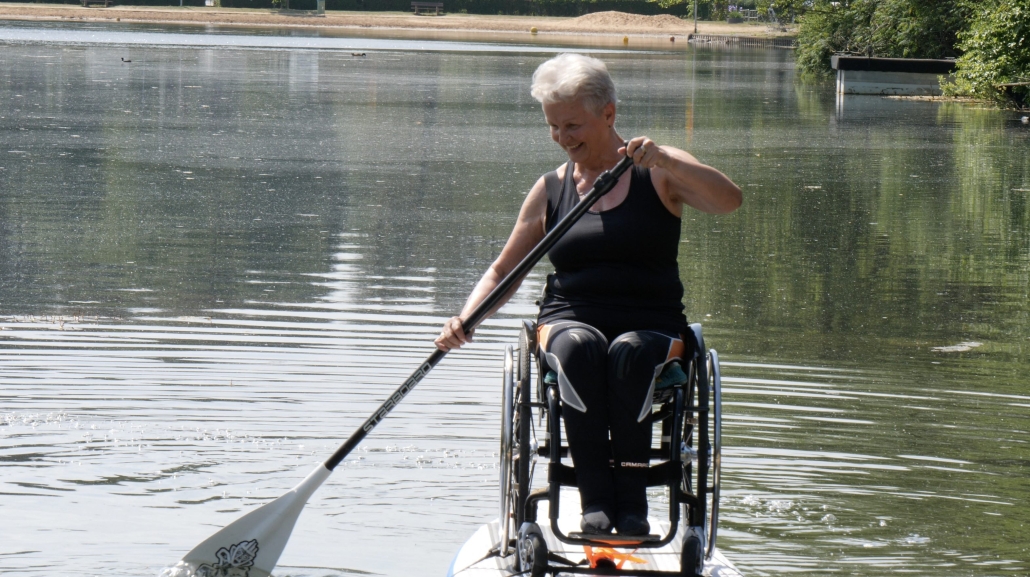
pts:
pixel 252 544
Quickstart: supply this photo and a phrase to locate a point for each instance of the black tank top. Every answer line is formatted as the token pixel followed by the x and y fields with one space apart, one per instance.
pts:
pixel 615 268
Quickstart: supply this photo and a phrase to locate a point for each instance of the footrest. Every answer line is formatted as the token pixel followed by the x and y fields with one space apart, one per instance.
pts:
pixel 616 539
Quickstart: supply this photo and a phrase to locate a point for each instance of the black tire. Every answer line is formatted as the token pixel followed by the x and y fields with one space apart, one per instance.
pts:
pixel 691 557
pixel 532 550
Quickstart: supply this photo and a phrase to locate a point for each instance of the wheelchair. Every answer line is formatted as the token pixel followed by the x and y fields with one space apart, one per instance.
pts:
pixel 687 402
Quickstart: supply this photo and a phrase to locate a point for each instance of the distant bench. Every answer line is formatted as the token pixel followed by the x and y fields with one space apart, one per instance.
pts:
pixel 436 6
pixel 106 3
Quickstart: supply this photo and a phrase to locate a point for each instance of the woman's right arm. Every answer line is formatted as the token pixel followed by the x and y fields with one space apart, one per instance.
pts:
pixel 528 232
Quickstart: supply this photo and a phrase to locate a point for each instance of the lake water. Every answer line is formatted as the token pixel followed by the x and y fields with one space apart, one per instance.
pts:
pixel 215 263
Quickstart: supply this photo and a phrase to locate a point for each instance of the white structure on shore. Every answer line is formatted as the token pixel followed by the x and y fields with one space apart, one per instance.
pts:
pixel 890 76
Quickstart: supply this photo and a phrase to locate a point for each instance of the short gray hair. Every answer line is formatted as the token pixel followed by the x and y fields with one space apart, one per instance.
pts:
pixel 569 77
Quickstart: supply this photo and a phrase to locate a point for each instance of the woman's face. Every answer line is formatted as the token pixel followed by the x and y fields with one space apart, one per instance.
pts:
pixel 583 133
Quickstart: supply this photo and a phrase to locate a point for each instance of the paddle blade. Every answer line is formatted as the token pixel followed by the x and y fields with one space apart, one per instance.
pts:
pixel 252 544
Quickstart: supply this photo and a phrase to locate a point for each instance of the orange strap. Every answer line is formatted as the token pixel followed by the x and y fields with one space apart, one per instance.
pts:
pixel 595 554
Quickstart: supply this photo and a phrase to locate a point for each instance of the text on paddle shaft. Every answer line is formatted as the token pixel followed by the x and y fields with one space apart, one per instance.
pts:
pixel 397 397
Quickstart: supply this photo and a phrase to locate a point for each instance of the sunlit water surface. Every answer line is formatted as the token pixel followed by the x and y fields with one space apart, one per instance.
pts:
pixel 216 262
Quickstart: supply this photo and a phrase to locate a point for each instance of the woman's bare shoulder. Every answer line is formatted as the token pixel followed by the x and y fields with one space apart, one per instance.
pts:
pixel 538 192
pixel 534 210
pixel 540 186
pixel 561 170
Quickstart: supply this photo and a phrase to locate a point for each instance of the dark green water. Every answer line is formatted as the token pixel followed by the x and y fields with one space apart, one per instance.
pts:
pixel 215 262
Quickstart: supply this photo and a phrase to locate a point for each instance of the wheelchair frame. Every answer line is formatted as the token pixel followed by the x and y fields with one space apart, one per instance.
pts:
pixel 690 449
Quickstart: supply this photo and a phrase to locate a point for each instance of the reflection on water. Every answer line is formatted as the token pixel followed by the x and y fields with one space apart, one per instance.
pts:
pixel 215 263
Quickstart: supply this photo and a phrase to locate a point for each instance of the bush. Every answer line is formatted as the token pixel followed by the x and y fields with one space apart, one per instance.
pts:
pixel 996 50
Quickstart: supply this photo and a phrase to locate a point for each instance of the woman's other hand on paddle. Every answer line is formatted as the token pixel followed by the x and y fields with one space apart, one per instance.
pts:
pixel 645 152
pixel 453 335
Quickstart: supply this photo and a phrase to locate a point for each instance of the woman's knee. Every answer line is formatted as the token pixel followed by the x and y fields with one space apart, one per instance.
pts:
pixel 624 354
pixel 635 355
pixel 577 352
pixel 635 359
pixel 574 341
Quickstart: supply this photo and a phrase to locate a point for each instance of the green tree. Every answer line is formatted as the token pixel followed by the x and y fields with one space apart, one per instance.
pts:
pixel 704 7
pixel 828 28
pixel 785 10
pixel 996 50
pixel 885 28
pixel 918 28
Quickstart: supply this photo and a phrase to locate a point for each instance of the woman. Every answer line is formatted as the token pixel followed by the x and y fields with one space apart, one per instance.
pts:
pixel 612 312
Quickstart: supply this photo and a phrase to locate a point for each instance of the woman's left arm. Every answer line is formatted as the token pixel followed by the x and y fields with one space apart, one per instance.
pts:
pixel 678 175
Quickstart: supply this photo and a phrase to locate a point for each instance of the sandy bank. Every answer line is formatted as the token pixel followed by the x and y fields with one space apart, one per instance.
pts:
pixel 597 23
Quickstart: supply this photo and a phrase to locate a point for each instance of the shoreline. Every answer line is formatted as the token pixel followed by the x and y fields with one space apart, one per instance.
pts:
pixel 600 23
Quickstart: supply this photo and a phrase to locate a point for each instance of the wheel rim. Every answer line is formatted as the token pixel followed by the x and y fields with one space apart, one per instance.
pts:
pixel 525 554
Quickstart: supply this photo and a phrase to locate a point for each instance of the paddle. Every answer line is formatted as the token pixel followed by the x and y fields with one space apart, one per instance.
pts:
pixel 252 544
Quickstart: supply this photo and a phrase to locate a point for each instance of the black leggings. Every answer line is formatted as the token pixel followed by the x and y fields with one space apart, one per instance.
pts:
pixel 606 392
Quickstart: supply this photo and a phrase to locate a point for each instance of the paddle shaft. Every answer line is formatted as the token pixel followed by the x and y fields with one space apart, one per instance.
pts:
pixel 602 186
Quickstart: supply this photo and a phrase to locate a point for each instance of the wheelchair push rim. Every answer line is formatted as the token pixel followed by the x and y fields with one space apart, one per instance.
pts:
pixel 507 443
pixel 712 518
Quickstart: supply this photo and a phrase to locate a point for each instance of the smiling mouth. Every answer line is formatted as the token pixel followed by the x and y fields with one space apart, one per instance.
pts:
pixel 574 148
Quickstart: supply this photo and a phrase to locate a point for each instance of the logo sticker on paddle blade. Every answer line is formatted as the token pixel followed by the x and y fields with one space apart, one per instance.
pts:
pixel 234 561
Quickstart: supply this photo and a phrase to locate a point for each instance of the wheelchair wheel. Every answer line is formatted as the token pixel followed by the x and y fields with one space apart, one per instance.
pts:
pixel 532 550
pixel 715 424
pixel 507 443
pixel 696 453
pixel 524 450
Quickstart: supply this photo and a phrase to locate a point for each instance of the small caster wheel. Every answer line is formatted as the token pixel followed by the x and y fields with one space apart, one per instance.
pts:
pixel 691 558
pixel 532 550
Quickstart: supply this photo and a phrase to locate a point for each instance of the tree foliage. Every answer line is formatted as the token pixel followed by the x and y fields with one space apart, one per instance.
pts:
pixel 885 28
pixel 995 50
pixel 785 10
pixel 990 38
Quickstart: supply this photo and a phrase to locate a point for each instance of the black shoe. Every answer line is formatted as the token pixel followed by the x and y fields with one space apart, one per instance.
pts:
pixel 596 521
pixel 632 525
